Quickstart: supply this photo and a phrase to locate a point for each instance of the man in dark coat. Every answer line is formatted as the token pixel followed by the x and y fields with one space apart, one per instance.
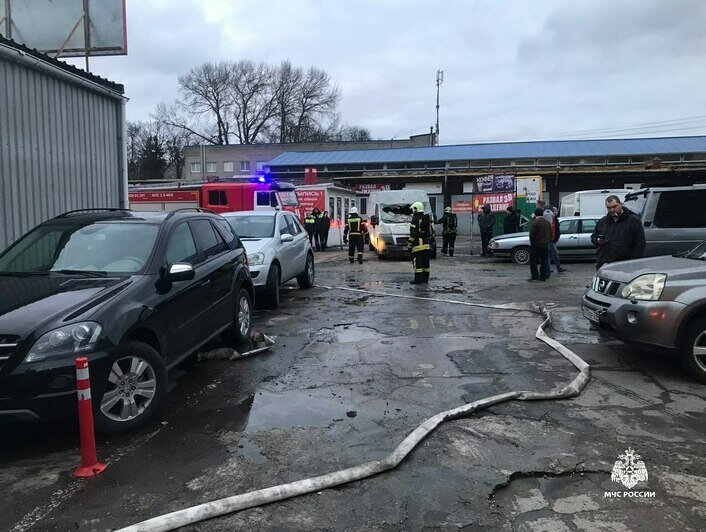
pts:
pixel 316 213
pixel 325 227
pixel 619 235
pixel 512 221
pixel 486 221
pixel 540 235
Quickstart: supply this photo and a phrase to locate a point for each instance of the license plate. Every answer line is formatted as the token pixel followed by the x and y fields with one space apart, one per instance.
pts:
pixel 589 314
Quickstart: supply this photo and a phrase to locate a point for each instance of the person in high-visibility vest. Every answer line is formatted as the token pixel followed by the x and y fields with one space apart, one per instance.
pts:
pixel 449 221
pixel 353 235
pixel 419 235
pixel 316 213
pixel 310 226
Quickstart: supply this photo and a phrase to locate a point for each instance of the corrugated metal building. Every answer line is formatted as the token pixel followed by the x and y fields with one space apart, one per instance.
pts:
pixel 62 143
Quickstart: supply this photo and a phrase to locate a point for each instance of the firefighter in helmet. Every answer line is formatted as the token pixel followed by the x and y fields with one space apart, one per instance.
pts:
pixel 353 235
pixel 420 230
pixel 449 221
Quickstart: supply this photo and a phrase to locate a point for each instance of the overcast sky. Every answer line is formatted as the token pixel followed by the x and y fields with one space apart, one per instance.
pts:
pixel 512 69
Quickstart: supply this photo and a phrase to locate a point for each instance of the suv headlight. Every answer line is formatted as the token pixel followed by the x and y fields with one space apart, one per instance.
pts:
pixel 647 287
pixel 256 259
pixel 67 340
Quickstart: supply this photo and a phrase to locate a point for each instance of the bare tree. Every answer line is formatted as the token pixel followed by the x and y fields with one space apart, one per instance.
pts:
pixel 286 80
pixel 178 116
pixel 315 104
pixel 252 99
pixel 206 93
pixel 252 102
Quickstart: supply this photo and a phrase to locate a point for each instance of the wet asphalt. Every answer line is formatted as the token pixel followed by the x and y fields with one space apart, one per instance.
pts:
pixel 351 374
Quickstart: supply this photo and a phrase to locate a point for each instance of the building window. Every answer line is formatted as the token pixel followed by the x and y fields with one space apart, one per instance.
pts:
pixel 228 167
pixel 363 205
pixel 480 163
pixel 593 160
pixel 547 161
pixel 523 162
pixel 244 166
pixel 688 157
pixel 195 168
pixel 261 165
pixel 211 167
pixel 617 159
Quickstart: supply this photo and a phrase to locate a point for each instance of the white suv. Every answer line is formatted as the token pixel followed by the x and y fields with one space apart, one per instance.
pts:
pixel 278 250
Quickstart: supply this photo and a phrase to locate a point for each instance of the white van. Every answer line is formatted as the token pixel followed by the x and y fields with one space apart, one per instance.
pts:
pixel 589 202
pixel 390 215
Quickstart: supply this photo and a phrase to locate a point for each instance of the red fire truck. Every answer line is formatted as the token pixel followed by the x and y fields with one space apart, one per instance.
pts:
pixel 218 197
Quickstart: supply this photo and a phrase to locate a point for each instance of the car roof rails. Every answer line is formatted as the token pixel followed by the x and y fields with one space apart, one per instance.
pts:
pixel 189 209
pixel 97 209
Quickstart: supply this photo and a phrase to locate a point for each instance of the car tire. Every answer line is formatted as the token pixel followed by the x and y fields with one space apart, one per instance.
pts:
pixel 134 391
pixel 239 332
pixel 271 295
pixel 307 277
pixel 520 255
pixel 695 338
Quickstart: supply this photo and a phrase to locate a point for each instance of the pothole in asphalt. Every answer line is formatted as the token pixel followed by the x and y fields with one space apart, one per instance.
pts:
pixel 294 409
pixel 347 333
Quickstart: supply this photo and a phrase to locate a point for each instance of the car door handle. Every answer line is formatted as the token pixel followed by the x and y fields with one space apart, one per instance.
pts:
pixel 206 283
pixel 573 237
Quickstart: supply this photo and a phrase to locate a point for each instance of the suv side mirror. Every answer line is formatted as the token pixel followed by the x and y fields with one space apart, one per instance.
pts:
pixel 180 271
pixel 286 237
pixel 374 220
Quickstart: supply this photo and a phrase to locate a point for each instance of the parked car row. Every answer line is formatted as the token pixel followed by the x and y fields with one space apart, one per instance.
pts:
pixel 575 242
pixel 136 293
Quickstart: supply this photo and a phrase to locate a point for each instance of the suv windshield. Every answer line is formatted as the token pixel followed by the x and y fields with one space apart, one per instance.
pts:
pixel 253 226
pixel 98 247
pixel 398 212
pixel 635 202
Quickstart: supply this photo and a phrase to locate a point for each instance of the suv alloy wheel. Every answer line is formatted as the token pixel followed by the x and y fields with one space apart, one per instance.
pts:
pixel 136 386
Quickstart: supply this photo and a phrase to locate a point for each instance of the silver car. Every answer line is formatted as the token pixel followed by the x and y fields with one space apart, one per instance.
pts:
pixel 278 250
pixel 574 242
pixel 656 302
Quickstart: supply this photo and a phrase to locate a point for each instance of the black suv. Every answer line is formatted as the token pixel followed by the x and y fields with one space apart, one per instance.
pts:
pixel 135 292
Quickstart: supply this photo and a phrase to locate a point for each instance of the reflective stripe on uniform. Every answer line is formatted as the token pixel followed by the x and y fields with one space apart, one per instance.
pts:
pixel 420 248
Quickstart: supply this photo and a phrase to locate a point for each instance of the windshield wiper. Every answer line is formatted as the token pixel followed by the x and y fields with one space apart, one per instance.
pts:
pixel 87 273
pixel 22 274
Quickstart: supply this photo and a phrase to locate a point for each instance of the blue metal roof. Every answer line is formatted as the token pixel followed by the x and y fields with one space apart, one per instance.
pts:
pixel 504 150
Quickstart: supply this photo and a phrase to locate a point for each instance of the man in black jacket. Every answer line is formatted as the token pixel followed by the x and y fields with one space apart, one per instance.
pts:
pixel 512 221
pixel 486 221
pixel 619 235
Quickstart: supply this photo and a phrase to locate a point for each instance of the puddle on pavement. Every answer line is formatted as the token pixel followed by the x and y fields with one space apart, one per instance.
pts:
pixel 250 452
pixel 293 409
pixel 571 326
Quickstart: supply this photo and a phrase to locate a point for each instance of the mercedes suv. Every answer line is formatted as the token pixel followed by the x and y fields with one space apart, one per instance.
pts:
pixel 136 293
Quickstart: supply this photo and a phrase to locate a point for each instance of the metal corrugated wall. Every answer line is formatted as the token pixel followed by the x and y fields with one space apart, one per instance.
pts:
pixel 59 149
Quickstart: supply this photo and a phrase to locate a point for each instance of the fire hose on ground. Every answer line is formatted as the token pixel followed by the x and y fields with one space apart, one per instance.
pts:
pixel 261 497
